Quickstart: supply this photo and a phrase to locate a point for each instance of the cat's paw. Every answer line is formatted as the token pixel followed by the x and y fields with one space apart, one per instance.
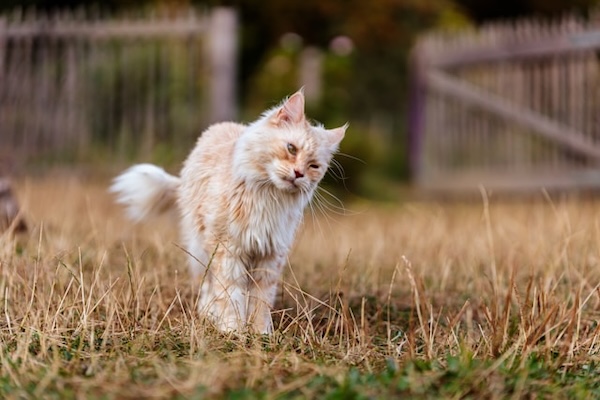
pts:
pixel 228 325
pixel 261 323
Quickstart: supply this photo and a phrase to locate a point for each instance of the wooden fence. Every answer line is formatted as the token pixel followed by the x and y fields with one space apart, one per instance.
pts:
pixel 510 106
pixel 75 82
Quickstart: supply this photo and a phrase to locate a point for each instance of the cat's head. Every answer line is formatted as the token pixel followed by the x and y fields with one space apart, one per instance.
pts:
pixel 285 150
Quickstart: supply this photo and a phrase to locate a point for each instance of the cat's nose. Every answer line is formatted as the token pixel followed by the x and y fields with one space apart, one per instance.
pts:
pixel 298 174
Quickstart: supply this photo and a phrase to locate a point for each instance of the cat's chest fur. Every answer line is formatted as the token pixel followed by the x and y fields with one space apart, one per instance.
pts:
pixel 262 222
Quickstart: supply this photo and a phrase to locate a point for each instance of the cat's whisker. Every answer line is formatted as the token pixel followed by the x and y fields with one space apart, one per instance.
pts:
pixel 351 157
pixel 319 206
pixel 328 213
pixel 336 207
pixel 312 211
pixel 337 172
pixel 326 216
pixel 337 199
pixel 316 221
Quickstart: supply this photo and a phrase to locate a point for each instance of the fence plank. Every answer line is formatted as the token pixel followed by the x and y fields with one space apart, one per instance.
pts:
pixel 417 112
pixel 509 50
pixel 543 126
pixel 223 50
pixel 108 29
pixel 3 37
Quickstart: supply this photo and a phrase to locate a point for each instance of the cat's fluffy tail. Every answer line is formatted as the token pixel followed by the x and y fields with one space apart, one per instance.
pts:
pixel 146 191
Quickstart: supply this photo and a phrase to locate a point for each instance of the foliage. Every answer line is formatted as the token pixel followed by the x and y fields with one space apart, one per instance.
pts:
pixel 366 87
pixel 496 9
pixel 146 98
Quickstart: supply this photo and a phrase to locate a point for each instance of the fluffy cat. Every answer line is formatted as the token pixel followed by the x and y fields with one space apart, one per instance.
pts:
pixel 241 196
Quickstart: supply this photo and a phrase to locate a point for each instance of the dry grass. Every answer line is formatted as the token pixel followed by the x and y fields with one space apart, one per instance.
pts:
pixel 481 299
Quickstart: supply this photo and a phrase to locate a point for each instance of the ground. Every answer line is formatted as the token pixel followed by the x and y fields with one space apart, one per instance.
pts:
pixel 484 298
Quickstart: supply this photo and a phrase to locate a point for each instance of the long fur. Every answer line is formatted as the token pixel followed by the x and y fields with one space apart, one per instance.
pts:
pixel 146 191
pixel 241 196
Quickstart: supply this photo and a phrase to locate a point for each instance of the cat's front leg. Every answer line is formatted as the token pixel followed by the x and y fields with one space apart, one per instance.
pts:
pixel 262 292
pixel 224 293
pixel 260 303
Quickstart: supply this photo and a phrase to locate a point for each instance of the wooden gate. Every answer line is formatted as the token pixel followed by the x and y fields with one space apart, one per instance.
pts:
pixel 78 82
pixel 511 106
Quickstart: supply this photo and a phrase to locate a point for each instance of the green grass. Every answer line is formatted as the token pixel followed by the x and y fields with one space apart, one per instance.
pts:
pixel 419 300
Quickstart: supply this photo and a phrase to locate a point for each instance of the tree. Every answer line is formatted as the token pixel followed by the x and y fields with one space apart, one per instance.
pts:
pixel 482 11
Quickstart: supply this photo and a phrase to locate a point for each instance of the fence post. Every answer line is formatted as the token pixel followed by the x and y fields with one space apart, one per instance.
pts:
pixel 3 39
pixel 311 66
pixel 72 102
pixel 5 139
pixel 222 49
pixel 416 116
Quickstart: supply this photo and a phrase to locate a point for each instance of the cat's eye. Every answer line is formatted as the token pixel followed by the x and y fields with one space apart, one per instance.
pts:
pixel 292 149
pixel 314 166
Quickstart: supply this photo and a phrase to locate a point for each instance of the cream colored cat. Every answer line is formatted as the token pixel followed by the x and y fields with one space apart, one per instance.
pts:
pixel 241 197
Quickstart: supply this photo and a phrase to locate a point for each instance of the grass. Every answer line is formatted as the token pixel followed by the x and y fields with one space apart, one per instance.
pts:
pixel 483 299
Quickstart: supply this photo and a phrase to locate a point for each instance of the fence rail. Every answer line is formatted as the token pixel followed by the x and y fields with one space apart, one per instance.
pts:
pixel 509 106
pixel 61 28
pixel 72 82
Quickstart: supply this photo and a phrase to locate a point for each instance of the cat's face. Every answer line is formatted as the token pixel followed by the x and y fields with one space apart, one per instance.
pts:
pixel 300 158
pixel 288 152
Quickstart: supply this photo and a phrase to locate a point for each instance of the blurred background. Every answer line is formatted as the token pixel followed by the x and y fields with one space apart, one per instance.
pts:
pixel 444 94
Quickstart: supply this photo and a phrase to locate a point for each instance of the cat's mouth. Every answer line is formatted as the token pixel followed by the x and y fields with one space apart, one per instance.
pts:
pixel 291 184
pixel 285 182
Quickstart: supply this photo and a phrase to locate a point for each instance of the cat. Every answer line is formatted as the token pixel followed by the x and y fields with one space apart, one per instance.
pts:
pixel 11 219
pixel 241 196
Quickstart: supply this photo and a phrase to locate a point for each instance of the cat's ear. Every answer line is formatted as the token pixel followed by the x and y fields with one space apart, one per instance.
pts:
pixel 335 135
pixel 292 110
